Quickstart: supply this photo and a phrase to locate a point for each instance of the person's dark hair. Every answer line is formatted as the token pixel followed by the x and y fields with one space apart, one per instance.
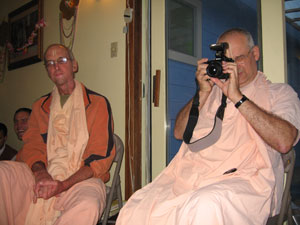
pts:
pixel 22 110
pixel 3 128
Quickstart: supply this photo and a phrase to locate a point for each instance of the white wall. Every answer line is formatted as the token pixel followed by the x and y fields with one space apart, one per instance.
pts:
pixel 274 40
pixel 158 55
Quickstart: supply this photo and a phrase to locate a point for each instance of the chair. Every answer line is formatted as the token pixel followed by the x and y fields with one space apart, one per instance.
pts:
pixel 114 192
pixel 286 209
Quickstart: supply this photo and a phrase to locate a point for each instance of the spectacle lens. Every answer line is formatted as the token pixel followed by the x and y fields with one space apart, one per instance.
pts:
pixel 59 61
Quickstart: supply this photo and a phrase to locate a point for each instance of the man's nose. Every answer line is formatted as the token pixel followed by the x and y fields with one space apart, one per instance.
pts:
pixel 19 124
pixel 56 65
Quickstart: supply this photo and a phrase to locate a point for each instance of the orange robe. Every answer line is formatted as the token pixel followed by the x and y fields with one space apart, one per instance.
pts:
pixel 193 189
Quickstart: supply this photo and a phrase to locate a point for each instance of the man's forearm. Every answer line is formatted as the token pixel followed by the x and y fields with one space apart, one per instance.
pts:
pixel 276 132
pixel 82 174
pixel 183 115
pixel 38 166
pixel 181 120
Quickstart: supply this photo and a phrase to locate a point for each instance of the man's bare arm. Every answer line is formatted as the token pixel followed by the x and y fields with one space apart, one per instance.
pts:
pixel 82 174
pixel 276 132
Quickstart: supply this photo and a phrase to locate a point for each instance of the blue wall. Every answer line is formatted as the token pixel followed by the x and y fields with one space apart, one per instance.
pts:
pixel 293 67
pixel 181 88
pixel 219 16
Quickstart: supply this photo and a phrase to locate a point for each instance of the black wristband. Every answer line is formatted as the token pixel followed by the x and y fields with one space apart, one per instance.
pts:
pixel 238 104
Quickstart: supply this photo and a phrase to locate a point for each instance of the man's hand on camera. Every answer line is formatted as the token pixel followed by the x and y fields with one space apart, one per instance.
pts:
pixel 205 84
pixel 229 87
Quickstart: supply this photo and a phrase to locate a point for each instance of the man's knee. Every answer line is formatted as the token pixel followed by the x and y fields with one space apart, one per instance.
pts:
pixel 83 198
pixel 82 211
pixel 206 200
pixel 202 204
pixel 92 205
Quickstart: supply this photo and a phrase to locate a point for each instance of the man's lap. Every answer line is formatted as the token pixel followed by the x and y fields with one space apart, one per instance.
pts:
pixel 91 191
pixel 232 199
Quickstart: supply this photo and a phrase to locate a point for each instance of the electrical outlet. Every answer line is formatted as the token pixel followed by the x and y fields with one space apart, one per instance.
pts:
pixel 114 49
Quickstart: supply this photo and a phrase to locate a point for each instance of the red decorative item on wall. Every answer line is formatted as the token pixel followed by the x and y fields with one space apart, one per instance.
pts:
pixel 68 8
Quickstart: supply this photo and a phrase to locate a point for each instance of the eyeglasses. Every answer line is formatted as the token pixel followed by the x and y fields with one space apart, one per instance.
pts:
pixel 59 61
pixel 242 58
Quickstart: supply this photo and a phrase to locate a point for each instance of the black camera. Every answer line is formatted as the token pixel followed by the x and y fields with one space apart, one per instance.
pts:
pixel 214 68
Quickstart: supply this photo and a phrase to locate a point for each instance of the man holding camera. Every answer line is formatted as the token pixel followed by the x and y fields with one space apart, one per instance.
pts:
pixel 238 177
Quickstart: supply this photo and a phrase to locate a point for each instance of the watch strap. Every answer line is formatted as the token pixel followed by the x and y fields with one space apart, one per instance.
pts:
pixel 243 99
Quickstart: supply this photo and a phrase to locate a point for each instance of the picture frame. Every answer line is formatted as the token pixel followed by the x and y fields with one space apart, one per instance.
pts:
pixel 25 45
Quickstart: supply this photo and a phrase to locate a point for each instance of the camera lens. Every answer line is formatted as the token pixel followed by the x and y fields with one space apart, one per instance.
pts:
pixel 214 69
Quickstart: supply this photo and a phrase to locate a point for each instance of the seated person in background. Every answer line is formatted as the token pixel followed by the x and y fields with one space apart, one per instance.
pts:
pixel 6 152
pixel 239 178
pixel 21 118
pixel 67 152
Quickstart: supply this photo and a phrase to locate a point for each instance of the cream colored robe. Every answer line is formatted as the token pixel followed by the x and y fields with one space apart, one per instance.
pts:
pixel 193 189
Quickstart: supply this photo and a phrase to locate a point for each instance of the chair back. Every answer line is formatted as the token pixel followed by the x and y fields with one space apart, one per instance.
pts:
pixel 114 191
pixel 285 212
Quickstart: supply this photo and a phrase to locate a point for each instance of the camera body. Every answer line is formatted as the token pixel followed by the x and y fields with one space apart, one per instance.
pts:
pixel 214 68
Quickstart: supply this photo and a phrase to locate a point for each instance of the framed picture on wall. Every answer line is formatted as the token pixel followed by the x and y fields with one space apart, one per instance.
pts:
pixel 25 45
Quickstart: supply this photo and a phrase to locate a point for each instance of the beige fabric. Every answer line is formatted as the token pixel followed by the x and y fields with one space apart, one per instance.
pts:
pixel 193 189
pixel 13 202
pixel 66 141
pixel 81 204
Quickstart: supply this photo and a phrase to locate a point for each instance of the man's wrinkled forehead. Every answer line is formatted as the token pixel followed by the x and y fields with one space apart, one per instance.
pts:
pixel 237 44
pixel 56 51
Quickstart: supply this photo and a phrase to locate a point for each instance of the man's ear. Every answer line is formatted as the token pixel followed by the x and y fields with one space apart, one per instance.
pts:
pixel 256 52
pixel 75 66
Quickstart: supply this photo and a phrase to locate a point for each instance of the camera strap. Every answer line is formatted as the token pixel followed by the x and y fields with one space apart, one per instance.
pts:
pixel 214 134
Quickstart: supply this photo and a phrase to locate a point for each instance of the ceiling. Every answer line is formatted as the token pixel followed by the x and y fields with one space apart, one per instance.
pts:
pixel 292 13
